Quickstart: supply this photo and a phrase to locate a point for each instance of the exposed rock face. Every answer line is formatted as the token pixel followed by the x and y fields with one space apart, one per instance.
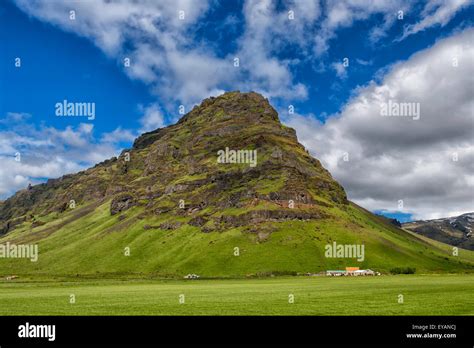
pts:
pixel 121 202
pixel 177 171
pixel 258 216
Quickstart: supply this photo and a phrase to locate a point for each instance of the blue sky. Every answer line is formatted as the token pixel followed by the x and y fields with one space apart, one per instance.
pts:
pixel 291 61
pixel 57 65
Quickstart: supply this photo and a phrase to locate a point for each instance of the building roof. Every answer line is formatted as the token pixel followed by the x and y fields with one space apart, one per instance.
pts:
pixel 352 268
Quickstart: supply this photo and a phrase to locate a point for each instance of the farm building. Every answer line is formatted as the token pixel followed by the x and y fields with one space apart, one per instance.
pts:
pixel 352 271
pixel 364 272
pixel 335 273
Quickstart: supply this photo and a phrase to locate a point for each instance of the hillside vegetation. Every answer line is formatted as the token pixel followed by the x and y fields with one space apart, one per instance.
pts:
pixel 166 207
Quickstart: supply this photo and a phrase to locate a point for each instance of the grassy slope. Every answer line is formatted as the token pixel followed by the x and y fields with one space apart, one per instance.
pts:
pixel 95 243
pixel 423 295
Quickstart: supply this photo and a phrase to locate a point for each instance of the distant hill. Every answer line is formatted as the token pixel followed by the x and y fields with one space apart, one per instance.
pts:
pixel 182 201
pixel 456 231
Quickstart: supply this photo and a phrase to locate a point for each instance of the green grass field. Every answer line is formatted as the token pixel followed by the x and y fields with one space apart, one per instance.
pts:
pixel 422 295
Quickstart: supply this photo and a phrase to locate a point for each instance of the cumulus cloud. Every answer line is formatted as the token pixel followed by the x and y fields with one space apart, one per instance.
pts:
pixel 156 37
pixel 109 24
pixel 163 51
pixel 267 30
pixel 118 135
pixel 30 154
pixel 152 118
pixel 427 163
pixel 194 73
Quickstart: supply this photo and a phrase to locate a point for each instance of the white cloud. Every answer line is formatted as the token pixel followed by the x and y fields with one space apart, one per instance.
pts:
pixel 159 44
pixel 267 30
pixel 343 13
pixel 340 69
pixel 14 117
pixel 179 67
pixel 152 118
pixel 47 152
pixel 110 23
pixel 165 54
pixel 398 158
pixel 436 12
pixel 118 135
pixel 364 62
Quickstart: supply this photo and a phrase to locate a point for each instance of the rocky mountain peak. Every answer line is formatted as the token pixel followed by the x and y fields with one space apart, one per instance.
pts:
pixel 230 152
pixel 251 106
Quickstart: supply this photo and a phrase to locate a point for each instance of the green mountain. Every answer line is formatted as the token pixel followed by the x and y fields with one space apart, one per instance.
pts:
pixel 227 191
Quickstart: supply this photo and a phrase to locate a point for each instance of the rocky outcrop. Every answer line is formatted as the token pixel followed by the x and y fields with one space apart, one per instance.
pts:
pixel 122 202
pixel 258 216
